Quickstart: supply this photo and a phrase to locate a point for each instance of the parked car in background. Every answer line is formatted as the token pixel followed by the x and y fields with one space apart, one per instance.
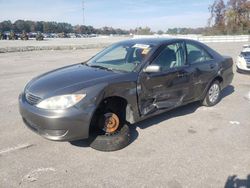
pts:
pixel 12 35
pixel 3 36
pixel 39 36
pixel 32 35
pixel 24 36
pixel 243 60
pixel 125 83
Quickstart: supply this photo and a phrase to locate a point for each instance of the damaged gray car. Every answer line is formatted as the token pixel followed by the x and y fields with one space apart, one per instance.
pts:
pixel 123 84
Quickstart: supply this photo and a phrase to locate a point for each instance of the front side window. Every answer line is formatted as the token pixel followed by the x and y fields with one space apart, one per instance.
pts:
pixel 121 57
pixel 172 56
pixel 196 54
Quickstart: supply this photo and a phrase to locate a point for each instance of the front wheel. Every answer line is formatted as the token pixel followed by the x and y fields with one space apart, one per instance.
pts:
pixel 213 94
pixel 111 133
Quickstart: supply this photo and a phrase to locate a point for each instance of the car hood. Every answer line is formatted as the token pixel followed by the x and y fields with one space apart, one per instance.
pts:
pixel 67 80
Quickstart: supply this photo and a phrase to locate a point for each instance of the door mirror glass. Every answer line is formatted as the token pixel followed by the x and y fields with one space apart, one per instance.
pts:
pixel 152 68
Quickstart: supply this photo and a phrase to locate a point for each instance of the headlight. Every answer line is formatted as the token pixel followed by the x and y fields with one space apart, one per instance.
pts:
pixel 60 102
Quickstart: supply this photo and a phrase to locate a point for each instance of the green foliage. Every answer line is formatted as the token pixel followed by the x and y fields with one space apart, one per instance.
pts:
pixel 5 26
pixel 160 32
pixel 143 31
pixel 232 18
pixel 55 27
pixel 185 31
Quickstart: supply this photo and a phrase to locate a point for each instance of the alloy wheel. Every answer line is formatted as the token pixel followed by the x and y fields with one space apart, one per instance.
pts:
pixel 213 93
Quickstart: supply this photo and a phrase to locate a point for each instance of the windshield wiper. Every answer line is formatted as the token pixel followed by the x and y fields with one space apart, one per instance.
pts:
pixel 101 67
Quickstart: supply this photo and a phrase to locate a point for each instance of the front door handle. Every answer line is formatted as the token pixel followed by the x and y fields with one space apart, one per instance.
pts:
pixel 212 66
pixel 180 75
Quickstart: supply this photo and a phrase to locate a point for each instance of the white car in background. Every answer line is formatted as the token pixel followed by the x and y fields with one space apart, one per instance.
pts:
pixel 243 60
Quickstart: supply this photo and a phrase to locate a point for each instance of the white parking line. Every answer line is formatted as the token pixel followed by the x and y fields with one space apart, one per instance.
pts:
pixel 21 146
pixel 234 122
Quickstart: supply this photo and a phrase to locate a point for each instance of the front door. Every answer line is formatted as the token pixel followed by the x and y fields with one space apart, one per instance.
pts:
pixel 168 88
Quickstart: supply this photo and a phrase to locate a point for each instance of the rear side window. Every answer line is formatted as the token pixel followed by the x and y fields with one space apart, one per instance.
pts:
pixel 197 54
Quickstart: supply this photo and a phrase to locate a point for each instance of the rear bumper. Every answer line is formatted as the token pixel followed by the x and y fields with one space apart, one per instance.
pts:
pixel 63 125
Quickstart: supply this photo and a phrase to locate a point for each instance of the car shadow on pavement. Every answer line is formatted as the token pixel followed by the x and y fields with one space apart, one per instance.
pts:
pixel 86 142
pixel 180 111
pixel 81 143
pixel 235 182
pixel 227 91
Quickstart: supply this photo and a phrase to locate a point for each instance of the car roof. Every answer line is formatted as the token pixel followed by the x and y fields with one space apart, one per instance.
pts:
pixel 246 49
pixel 246 46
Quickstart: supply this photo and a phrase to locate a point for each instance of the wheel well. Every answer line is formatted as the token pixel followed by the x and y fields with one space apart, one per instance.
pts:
pixel 219 78
pixel 114 104
pixel 110 104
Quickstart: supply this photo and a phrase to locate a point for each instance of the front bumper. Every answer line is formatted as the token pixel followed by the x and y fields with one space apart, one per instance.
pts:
pixel 243 67
pixel 60 125
pixel 243 70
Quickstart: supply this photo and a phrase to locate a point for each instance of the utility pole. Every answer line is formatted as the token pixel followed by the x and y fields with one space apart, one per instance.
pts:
pixel 83 15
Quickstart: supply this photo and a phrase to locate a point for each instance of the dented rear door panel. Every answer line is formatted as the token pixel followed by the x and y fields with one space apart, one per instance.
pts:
pixel 204 73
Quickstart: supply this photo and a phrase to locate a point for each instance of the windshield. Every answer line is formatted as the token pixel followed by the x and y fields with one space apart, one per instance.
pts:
pixel 121 57
pixel 245 54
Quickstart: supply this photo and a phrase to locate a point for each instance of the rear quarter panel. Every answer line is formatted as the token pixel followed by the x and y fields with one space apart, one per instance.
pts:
pixel 227 71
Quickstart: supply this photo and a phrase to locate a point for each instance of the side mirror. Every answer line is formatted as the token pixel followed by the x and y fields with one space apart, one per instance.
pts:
pixel 152 68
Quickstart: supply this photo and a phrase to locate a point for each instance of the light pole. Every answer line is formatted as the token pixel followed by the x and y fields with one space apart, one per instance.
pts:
pixel 83 9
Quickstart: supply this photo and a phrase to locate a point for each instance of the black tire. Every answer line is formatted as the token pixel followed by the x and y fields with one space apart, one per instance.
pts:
pixel 207 100
pixel 112 142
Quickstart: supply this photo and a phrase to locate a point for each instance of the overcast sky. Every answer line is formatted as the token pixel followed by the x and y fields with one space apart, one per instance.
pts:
pixel 157 14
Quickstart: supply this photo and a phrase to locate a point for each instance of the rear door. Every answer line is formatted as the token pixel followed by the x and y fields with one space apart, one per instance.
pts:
pixel 170 87
pixel 203 65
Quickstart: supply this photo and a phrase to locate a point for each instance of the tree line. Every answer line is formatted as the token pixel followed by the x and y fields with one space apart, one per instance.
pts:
pixel 226 17
pixel 55 27
pixel 232 17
